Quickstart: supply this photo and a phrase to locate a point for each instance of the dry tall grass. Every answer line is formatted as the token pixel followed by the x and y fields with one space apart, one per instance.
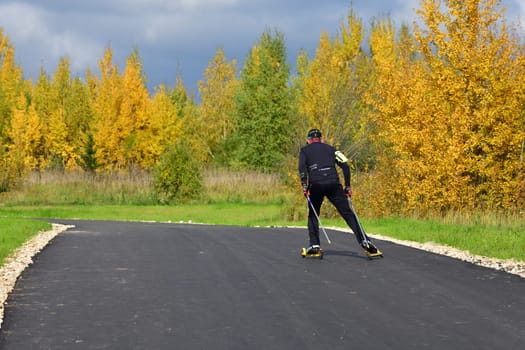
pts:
pixel 79 187
pixel 220 186
pixel 223 185
pixel 136 188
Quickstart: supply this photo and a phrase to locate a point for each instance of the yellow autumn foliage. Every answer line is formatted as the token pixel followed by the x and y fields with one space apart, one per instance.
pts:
pixel 432 116
pixel 217 105
pixel 332 87
pixel 451 109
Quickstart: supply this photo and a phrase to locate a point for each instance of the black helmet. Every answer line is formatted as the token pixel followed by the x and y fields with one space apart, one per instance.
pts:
pixel 314 134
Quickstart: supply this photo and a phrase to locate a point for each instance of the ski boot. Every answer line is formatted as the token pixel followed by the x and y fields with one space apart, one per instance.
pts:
pixel 371 250
pixel 313 251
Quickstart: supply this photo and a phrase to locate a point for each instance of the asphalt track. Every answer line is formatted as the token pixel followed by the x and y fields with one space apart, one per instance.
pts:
pixel 117 285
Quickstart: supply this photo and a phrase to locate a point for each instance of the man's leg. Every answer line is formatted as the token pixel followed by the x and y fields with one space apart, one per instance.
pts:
pixel 337 196
pixel 316 198
pixel 339 199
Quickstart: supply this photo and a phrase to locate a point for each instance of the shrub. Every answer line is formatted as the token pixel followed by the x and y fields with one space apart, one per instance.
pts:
pixel 177 178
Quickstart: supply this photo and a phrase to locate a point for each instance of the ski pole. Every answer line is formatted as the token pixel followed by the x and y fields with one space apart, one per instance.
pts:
pixel 319 221
pixel 365 237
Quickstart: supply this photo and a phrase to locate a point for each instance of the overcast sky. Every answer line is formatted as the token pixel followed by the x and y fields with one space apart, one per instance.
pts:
pixel 178 36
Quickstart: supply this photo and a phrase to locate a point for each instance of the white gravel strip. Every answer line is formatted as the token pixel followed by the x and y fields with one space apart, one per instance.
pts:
pixel 20 259
pixel 511 266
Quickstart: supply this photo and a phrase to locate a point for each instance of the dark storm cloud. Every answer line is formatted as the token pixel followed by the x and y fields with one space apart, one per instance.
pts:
pixel 175 36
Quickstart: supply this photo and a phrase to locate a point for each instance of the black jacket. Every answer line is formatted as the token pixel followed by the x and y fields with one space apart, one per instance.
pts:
pixel 317 165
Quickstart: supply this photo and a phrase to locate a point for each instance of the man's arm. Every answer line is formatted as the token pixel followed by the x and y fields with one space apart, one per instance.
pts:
pixel 303 168
pixel 342 161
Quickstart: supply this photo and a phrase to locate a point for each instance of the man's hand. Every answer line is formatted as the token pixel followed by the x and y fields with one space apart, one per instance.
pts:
pixel 306 190
pixel 348 191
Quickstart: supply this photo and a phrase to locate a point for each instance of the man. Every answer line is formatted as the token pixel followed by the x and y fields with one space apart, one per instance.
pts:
pixel 319 179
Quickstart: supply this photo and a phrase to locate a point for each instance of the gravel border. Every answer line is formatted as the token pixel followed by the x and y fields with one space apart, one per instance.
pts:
pixel 23 257
pixel 510 266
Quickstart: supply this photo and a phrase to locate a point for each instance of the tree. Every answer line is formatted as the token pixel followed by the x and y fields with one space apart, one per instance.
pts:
pixel 50 123
pixel 217 106
pixel 107 103
pixel 332 88
pixel 190 122
pixel 475 61
pixel 177 177
pixel 27 147
pixel 399 100
pixel 165 122
pixel 262 106
pixel 79 119
pixel 450 109
pixel 60 137
pixel 11 84
pixel 133 119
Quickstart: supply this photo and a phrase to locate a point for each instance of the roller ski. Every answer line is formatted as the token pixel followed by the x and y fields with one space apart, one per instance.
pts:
pixel 314 251
pixel 371 250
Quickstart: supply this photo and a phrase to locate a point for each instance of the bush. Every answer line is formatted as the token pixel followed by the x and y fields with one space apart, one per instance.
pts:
pixel 11 173
pixel 177 178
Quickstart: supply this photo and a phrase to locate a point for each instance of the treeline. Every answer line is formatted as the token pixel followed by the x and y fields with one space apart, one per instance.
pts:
pixel 431 115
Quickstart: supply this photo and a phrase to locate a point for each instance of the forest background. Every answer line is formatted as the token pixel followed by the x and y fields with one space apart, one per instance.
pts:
pixel 430 114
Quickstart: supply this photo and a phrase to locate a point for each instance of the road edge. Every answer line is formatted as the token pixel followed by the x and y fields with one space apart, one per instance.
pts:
pixel 21 258
pixel 506 265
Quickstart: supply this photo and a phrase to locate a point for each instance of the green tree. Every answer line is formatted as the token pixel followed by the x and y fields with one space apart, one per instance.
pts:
pixel 263 106
pixel 79 119
pixel 88 159
pixel 177 178
pixel 191 123
pixel 50 122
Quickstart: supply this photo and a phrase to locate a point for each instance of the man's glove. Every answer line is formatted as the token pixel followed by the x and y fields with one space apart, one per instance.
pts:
pixel 348 191
pixel 306 191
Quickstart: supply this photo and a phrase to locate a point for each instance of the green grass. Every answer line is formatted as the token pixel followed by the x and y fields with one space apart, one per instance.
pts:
pixel 14 232
pixel 247 214
pixel 229 198
pixel 504 241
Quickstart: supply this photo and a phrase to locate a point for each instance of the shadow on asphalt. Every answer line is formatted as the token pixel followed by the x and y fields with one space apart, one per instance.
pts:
pixel 344 253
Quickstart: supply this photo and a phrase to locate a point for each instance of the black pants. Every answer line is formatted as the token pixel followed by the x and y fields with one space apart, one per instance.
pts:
pixel 336 195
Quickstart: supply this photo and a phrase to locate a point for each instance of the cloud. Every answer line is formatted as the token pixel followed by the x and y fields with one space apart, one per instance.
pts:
pixel 22 19
pixel 177 36
pixel 41 44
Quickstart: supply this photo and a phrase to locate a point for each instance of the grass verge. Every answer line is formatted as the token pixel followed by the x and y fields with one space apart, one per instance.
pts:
pixel 221 214
pixel 15 231
pixel 492 240
pixel 503 241
pixel 229 198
